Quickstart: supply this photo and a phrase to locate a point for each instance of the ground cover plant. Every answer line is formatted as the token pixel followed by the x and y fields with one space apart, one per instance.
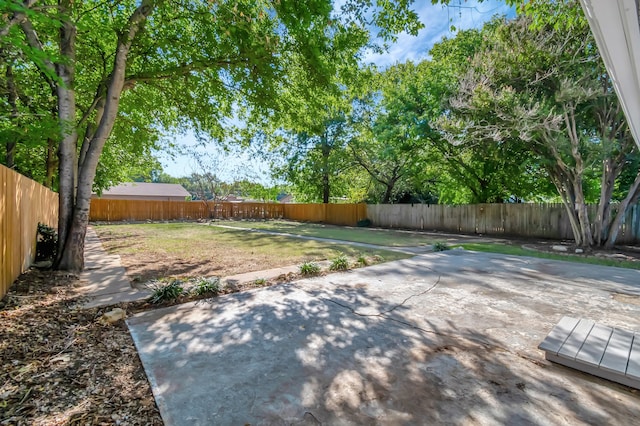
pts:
pixel 377 236
pixel 309 268
pixel 339 263
pixel 153 251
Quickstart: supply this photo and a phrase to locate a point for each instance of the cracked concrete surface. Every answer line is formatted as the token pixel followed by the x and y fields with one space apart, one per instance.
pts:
pixel 442 338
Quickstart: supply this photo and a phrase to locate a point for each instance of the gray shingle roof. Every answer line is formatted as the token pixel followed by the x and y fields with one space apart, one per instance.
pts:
pixel 148 189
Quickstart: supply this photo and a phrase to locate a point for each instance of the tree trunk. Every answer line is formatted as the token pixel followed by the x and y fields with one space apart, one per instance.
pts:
pixel 387 193
pixel 631 198
pixel 390 185
pixel 51 163
pixel 71 256
pixel 325 188
pixel 326 152
pixel 566 195
pixel 67 116
pixel 573 221
pixel 583 217
pixel 603 216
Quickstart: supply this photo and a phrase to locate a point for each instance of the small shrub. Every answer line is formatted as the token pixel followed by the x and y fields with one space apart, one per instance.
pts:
pixel 309 268
pixel 260 282
pixel 46 243
pixel 440 246
pixel 364 223
pixel 377 258
pixel 166 292
pixel 362 260
pixel 207 286
pixel 340 263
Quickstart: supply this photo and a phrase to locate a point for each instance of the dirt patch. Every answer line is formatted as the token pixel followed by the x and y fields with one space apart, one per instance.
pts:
pixel 626 298
pixel 60 365
pixel 623 253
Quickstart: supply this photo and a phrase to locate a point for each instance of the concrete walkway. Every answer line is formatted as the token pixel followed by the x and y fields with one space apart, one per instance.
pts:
pixel 104 281
pixel 441 338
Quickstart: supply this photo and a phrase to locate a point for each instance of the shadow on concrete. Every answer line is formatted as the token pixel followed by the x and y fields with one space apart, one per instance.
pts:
pixel 408 342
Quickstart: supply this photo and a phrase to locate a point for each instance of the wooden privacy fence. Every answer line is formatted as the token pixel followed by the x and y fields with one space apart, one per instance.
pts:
pixel 335 214
pixel 108 210
pixel 23 203
pixel 523 220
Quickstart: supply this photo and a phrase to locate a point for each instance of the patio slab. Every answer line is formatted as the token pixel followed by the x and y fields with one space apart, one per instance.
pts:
pixel 439 338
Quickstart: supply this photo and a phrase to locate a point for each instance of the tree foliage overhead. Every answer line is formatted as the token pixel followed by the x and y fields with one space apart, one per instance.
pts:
pixel 124 70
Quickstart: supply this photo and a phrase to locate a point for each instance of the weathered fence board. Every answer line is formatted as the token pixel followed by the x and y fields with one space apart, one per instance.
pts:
pixel 23 203
pixel 109 210
pixel 335 214
pixel 523 220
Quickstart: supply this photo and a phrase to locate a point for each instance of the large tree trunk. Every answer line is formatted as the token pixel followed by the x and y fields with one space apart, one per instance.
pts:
pixel 67 117
pixel 631 198
pixel 72 254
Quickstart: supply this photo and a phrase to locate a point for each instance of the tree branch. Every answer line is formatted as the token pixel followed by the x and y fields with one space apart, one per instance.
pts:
pixel 17 18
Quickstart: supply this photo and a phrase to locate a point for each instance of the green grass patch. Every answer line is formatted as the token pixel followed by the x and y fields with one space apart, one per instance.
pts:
pixel 381 237
pixel 519 251
pixel 190 249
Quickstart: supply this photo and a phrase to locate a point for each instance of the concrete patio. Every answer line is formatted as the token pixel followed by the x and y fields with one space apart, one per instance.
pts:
pixel 439 338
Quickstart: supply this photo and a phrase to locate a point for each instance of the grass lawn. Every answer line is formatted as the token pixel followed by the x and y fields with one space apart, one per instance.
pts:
pixel 516 250
pixel 394 238
pixel 189 249
pixel 381 237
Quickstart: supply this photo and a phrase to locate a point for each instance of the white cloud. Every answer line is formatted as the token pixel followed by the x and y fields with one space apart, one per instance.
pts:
pixel 437 20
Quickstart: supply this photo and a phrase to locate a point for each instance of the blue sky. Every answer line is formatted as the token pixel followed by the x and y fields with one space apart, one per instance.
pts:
pixel 437 19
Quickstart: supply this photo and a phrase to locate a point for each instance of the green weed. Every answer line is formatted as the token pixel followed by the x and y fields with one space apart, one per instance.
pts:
pixel 440 246
pixel 340 263
pixel 166 292
pixel 207 286
pixel 309 268
pixel 362 260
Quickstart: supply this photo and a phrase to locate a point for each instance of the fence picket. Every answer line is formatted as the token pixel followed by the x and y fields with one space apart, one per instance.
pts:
pixel 23 203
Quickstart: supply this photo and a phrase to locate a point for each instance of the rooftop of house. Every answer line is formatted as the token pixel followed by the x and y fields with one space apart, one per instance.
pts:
pixel 148 189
